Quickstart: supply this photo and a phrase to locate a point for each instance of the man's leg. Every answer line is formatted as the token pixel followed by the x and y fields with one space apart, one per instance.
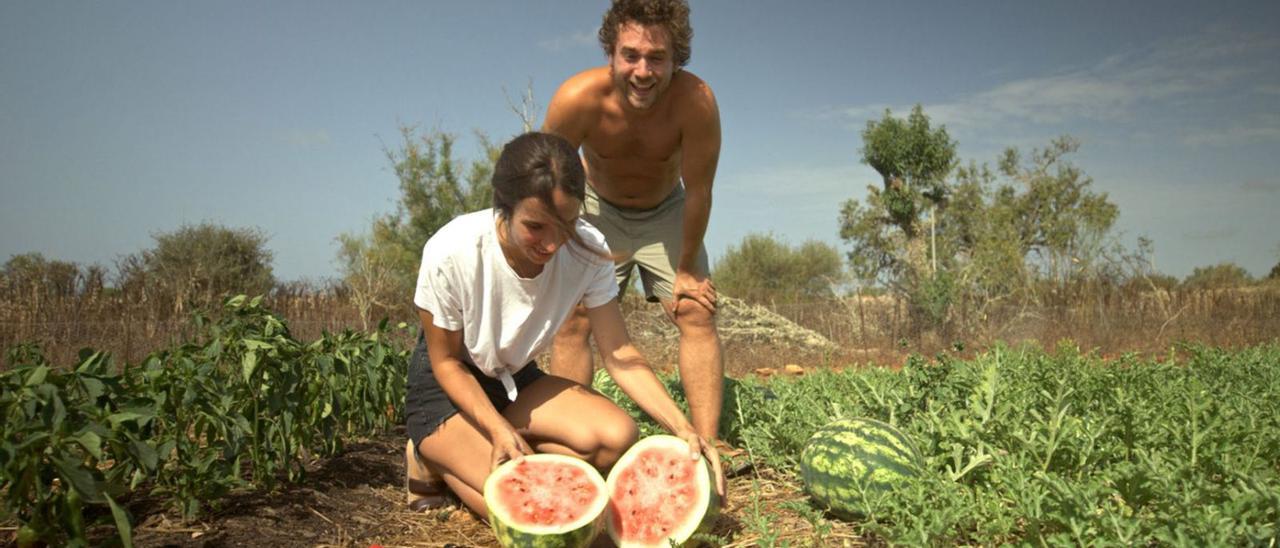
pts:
pixel 571 350
pixel 701 366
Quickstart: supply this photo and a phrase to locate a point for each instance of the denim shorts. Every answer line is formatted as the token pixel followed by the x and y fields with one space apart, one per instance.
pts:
pixel 427 406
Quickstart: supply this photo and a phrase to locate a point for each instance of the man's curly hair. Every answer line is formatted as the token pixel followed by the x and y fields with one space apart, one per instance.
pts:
pixel 672 15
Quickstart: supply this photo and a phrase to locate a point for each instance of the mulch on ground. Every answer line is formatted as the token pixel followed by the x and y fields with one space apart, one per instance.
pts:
pixel 357 499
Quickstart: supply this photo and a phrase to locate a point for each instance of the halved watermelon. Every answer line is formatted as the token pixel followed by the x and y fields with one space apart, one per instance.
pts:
pixel 545 500
pixel 658 496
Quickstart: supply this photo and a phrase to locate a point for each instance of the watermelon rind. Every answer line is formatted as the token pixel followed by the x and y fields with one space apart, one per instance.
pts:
pixel 579 533
pixel 706 507
pixel 848 459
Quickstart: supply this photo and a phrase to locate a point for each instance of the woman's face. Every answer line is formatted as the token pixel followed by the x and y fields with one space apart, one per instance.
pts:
pixel 533 236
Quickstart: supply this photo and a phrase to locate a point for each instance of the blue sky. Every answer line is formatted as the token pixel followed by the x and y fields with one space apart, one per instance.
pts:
pixel 119 120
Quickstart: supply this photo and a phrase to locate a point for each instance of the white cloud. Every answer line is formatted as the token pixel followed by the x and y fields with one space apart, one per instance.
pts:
pixel 569 41
pixel 1184 69
pixel 1235 135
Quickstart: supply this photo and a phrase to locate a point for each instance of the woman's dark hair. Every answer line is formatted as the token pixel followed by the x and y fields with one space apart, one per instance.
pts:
pixel 672 15
pixel 533 165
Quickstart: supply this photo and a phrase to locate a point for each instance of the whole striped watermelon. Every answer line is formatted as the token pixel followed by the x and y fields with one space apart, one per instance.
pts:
pixel 849 459
pixel 546 500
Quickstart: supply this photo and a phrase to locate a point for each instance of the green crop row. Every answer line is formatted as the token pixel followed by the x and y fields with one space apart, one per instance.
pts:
pixel 243 407
pixel 1059 448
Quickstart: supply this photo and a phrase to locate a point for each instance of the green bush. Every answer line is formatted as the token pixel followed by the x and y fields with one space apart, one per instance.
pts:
pixel 1219 276
pixel 764 269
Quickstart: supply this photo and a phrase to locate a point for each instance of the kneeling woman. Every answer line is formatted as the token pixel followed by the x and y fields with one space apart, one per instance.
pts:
pixel 493 289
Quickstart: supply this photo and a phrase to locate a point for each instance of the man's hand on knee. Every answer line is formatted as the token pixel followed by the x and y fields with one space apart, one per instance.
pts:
pixel 696 288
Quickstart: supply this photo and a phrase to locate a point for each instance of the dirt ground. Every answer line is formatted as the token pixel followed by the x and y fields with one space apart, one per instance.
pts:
pixel 357 499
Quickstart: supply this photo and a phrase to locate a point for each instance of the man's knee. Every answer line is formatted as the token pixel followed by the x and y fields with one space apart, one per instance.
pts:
pixel 576 326
pixel 691 315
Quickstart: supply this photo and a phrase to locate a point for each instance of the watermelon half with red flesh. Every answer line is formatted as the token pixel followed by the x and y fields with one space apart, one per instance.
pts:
pixel 545 500
pixel 658 495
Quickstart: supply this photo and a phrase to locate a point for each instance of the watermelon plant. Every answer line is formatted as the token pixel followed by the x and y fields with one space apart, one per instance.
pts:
pixel 545 500
pixel 1025 446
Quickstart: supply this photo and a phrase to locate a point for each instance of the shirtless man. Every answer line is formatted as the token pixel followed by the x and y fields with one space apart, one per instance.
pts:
pixel 645 126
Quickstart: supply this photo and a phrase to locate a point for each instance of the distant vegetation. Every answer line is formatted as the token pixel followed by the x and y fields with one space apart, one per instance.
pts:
pixel 967 251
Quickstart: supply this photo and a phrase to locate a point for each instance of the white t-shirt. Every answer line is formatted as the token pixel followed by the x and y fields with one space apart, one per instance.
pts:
pixel 506 320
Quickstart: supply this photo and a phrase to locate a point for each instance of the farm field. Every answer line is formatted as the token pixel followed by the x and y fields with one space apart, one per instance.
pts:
pixel 259 438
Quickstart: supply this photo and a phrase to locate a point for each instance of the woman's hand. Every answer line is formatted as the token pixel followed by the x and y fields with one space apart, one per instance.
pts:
pixel 699 446
pixel 508 445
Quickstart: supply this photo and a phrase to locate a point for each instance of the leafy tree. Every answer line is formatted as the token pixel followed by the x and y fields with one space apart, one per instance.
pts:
pixel 763 268
pixel 1220 276
pixel 936 231
pixel 891 241
pixel 197 265
pixel 381 266
pixel 913 160
pixel 1061 222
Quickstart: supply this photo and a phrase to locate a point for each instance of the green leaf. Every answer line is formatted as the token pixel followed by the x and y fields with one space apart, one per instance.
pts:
pixel 144 453
pixel 248 365
pixel 80 479
pixel 123 527
pixel 124 416
pixel 37 376
pixel 254 344
pixel 91 443
pixel 93 388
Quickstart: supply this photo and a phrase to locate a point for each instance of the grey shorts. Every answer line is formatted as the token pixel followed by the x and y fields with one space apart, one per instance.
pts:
pixel 644 239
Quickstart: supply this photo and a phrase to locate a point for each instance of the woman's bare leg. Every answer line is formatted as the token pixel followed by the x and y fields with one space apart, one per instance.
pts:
pixel 554 415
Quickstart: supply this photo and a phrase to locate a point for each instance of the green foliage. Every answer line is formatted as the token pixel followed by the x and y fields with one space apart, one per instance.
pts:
pixel 1061 221
pixel 1062 448
pixel 1220 276
pixel 381 267
pixel 196 266
pixel 913 160
pixel 764 269
pixel 938 233
pixel 932 297
pixel 239 409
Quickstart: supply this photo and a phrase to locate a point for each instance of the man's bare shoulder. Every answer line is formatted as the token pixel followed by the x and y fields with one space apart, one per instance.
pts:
pixel 586 88
pixel 577 105
pixel 692 97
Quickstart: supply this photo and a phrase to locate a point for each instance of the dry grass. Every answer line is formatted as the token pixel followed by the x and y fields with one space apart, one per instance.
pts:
pixel 868 330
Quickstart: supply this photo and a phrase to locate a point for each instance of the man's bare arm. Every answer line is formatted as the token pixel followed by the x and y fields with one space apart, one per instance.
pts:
pixel 700 153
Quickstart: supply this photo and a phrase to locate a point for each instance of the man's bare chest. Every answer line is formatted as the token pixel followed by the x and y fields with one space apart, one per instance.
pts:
pixel 620 140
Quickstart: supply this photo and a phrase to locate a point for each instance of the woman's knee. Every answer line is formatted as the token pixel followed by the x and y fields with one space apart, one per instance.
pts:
pixel 614 437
